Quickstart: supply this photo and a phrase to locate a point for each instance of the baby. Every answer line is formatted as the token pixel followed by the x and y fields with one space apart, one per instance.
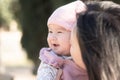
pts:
pixel 60 24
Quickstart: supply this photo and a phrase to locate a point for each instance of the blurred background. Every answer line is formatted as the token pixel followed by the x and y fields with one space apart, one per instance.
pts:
pixel 23 32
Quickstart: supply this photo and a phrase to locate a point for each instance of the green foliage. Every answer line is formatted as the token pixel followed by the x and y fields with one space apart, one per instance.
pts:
pixel 5 15
pixel 2 21
pixel 58 3
pixel 33 21
pixel 15 10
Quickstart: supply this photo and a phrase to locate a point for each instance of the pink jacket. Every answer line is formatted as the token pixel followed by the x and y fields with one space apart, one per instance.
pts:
pixel 67 69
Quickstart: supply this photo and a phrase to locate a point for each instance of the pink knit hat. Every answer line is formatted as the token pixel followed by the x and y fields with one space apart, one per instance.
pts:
pixel 66 16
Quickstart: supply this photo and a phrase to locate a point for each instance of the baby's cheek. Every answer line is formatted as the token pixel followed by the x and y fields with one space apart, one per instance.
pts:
pixel 48 41
pixel 67 39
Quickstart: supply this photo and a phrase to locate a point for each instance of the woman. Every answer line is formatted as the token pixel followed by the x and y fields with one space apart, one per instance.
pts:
pixel 98 37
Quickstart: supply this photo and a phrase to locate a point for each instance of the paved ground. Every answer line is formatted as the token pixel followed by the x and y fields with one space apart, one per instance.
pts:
pixel 13 59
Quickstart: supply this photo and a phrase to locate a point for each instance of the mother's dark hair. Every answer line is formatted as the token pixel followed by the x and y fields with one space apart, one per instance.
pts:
pixel 98 32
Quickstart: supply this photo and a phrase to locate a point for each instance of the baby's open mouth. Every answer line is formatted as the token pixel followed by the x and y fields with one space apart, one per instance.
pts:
pixel 55 45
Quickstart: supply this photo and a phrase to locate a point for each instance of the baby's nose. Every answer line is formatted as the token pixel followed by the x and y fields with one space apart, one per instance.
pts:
pixel 53 37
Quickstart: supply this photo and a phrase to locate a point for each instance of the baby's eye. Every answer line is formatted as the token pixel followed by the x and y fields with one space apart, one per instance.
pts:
pixel 50 32
pixel 59 31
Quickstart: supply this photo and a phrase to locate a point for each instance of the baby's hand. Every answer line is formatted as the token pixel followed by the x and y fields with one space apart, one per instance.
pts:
pixel 42 53
pixel 49 57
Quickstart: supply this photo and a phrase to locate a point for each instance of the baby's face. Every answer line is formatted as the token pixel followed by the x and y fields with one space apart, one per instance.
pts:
pixel 59 39
pixel 75 49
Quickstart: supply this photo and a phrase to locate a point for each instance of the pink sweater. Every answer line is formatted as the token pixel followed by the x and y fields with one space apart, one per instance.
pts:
pixel 67 69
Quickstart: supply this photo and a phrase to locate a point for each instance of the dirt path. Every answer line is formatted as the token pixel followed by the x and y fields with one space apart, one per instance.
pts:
pixel 13 59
